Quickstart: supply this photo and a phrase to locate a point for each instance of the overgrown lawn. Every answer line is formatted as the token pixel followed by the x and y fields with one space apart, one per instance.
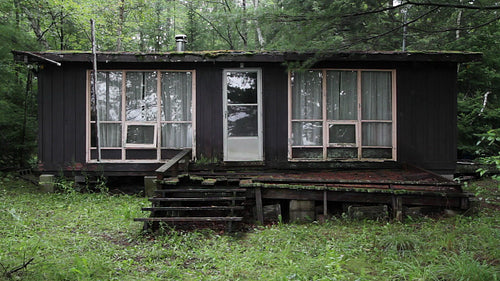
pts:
pixel 74 236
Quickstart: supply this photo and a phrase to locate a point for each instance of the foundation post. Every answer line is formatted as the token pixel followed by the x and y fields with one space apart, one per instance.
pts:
pixel 47 183
pixel 149 186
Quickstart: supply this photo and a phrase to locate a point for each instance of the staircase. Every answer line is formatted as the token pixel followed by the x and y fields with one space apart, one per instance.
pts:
pixel 189 201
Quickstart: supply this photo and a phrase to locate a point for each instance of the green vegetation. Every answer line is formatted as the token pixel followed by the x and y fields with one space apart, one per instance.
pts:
pixel 91 236
pixel 257 25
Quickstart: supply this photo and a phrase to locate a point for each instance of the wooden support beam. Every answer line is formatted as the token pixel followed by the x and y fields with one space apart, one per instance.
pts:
pixel 325 203
pixel 258 205
pixel 397 208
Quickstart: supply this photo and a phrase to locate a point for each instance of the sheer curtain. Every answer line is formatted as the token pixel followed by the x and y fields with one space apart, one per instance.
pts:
pixel 376 106
pixel 141 99
pixel 141 106
pixel 307 105
pixel 176 104
pixel 109 102
pixel 342 95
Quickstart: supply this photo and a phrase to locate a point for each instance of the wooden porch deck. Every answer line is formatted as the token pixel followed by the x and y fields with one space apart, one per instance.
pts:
pixel 397 189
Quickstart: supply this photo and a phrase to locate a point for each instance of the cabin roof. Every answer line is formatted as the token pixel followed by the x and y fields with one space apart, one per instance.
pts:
pixel 247 56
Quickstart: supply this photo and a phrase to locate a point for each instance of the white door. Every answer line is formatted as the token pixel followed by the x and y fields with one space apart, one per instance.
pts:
pixel 242 114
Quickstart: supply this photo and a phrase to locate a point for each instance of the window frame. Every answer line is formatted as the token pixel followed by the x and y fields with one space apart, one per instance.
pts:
pixel 157 145
pixel 326 144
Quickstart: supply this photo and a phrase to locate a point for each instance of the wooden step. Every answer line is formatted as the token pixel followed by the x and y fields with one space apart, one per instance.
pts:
pixel 196 199
pixel 188 219
pixel 199 208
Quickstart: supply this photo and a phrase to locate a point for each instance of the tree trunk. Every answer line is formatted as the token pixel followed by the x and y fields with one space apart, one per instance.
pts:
pixel 121 20
pixel 260 38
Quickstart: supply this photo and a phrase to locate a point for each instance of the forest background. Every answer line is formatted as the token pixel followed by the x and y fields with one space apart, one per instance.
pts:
pixel 284 25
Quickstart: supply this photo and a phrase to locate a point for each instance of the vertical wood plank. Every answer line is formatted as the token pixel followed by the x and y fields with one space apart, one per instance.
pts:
pixel 397 208
pixel 258 205
pixel 325 203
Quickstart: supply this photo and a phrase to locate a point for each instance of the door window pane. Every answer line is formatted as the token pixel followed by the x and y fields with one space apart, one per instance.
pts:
pixel 342 95
pixel 242 121
pixel 241 87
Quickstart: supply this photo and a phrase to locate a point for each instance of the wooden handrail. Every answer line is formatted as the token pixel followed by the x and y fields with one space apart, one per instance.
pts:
pixel 171 162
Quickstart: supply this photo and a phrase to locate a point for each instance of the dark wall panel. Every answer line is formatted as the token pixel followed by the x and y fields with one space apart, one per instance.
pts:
pixel 427 115
pixel 275 113
pixel 69 122
pixel 209 112
pixel 62 116
pixel 426 118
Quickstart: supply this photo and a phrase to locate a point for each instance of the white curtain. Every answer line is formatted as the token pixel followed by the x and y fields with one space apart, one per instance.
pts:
pixel 376 103
pixel 307 104
pixel 109 102
pixel 342 95
pixel 141 99
pixel 176 105
pixel 110 135
pixel 176 135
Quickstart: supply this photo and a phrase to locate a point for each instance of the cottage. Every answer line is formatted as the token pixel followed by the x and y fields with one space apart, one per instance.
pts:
pixel 345 110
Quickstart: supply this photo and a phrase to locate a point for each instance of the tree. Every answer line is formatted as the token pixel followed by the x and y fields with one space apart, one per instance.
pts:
pixel 17 94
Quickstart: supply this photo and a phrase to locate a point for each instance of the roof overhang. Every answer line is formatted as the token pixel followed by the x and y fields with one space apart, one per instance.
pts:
pixel 245 56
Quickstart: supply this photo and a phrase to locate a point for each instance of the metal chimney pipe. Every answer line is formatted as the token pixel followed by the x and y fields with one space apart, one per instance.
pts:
pixel 180 42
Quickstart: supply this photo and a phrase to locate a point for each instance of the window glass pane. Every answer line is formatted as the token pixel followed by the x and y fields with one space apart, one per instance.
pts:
pixel 110 135
pixel 242 121
pixel 307 133
pixel 141 102
pixel 176 96
pixel 176 135
pixel 140 134
pixel 342 95
pixel 342 133
pixel 109 95
pixel 241 87
pixel 342 153
pixel 376 97
pixel 307 153
pixel 379 153
pixel 377 134
pixel 307 94
pixel 93 135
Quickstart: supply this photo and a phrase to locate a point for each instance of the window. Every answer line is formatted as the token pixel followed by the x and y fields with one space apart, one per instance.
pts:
pixel 342 114
pixel 137 115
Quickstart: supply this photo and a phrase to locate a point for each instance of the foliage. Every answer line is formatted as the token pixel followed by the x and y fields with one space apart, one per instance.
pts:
pixel 306 25
pixel 91 236
pixel 17 98
pixel 492 140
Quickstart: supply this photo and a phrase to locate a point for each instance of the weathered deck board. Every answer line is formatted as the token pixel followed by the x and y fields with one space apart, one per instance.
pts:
pixel 188 219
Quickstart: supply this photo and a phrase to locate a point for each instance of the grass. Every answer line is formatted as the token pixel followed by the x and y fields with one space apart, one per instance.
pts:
pixel 91 236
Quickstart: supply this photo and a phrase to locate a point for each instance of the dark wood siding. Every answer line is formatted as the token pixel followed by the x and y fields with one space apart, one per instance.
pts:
pixel 62 117
pixel 209 112
pixel 275 114
pixel 426 118
pixel 427 127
